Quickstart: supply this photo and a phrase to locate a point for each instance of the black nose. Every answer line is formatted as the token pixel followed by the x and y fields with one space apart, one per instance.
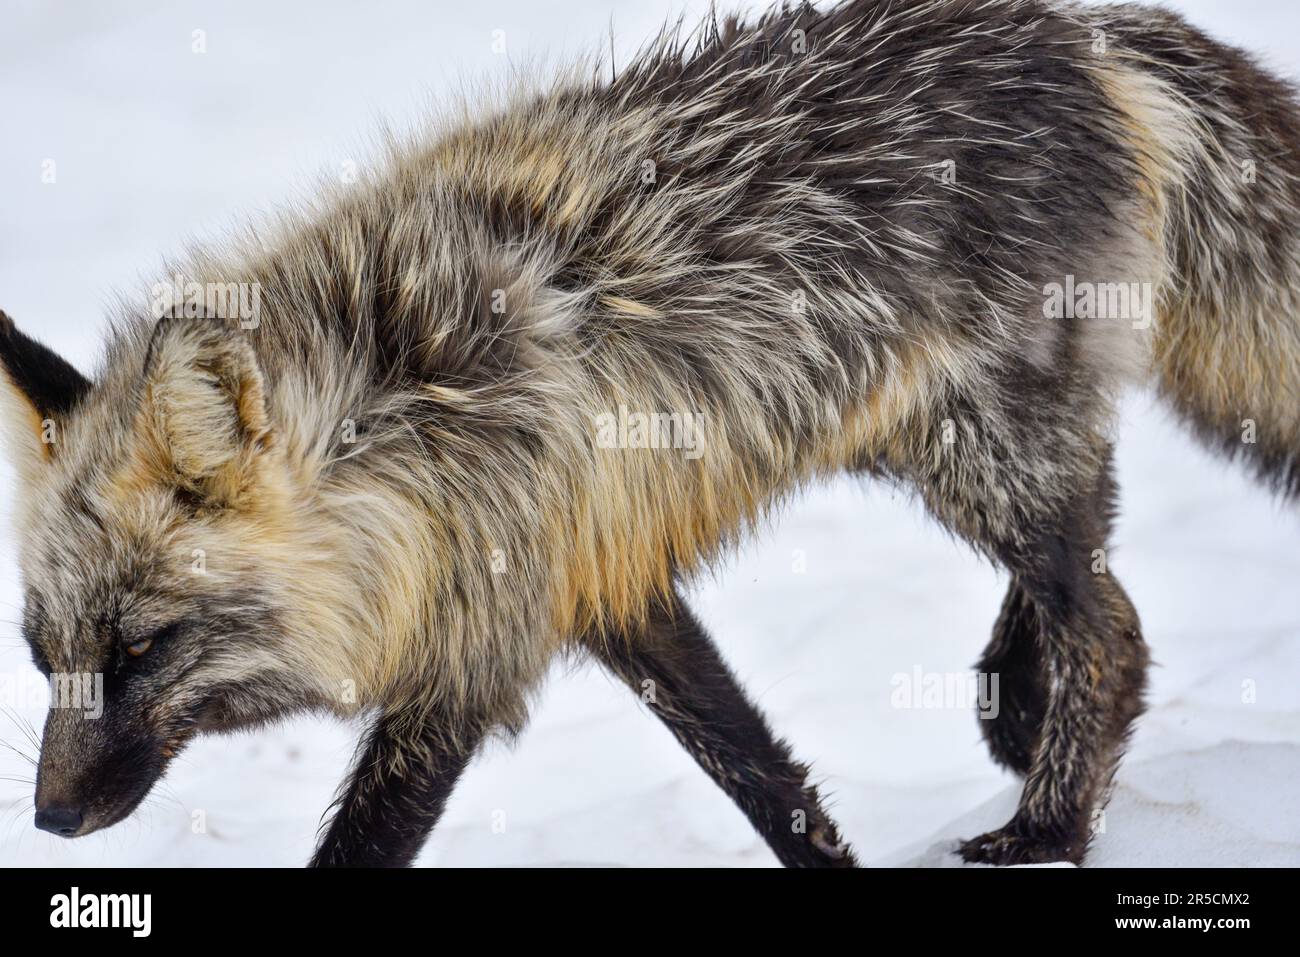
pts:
pixel 62 821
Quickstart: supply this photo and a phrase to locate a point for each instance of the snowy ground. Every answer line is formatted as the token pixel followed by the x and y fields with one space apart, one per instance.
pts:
pixel 154 144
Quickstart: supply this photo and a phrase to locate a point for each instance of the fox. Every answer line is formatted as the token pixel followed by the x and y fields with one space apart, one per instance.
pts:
pixel 890 240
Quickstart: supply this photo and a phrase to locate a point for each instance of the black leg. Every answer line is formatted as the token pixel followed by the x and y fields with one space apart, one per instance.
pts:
pixel 400 784
pixel 1014 656
pixel 677 671
pixel 1091 645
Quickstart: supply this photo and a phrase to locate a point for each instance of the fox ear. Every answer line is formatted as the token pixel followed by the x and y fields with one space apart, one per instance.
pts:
pixel 205 407
pixel 38 389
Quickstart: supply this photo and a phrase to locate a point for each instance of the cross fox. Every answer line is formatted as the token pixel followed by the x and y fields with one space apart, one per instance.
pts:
pixel 926 241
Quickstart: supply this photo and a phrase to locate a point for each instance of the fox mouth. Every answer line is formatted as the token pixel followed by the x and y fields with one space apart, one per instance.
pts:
pixel 70 822
pixel 121 812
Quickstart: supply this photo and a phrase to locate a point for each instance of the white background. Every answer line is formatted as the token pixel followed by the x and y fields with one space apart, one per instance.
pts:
pixel 156 146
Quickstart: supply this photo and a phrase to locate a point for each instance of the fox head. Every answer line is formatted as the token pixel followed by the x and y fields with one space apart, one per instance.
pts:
pixel 158 522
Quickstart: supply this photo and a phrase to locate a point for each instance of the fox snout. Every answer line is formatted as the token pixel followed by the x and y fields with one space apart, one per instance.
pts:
pixel 92 773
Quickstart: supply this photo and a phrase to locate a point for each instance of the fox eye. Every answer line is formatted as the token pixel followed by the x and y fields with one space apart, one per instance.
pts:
pixel 136 648
pixel 142 645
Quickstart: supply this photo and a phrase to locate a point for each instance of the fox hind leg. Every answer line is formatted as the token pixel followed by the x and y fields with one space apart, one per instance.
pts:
pixel 676 669
pixel 1013 665
pixel 1092 649
pixel 1029 485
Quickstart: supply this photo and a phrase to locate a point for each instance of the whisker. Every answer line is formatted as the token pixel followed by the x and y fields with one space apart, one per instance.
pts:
pixel 22 754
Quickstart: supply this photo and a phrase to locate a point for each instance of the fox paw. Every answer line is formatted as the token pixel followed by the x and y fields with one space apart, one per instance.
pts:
pixel 834 851
pixel 1007 846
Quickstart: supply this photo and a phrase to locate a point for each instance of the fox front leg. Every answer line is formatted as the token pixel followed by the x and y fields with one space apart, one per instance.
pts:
pixel 403 775
pixel 698 698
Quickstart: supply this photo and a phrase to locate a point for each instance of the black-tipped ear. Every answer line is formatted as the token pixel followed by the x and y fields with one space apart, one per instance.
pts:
pixel 49 384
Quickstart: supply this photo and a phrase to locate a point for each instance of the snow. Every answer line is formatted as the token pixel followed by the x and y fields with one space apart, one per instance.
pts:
pixel 850 586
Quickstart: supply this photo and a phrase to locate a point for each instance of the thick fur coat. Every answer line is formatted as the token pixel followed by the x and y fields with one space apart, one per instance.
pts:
pixel 827 238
